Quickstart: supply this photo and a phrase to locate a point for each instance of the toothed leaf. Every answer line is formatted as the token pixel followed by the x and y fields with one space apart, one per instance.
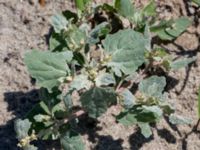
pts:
pixel 30 147
pixel 145 129
pixel 76 39
pixel 179 120
pixel 80 82
pixel 21 128
pixel 97 100
pixel 126 49
pixel 153 86
pixel 150 9
pixel 59 22
pixel 47 67
pixel 181 63
pixel 104 79
pixel 138 114
pixel 128 98
pixel 177 27
pixel 72 141
pixel 100 30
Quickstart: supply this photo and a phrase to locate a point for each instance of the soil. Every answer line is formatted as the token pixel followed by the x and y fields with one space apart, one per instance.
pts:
pixel 24 25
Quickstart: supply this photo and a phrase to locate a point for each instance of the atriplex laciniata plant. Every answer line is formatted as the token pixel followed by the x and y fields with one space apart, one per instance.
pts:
pixel 92 54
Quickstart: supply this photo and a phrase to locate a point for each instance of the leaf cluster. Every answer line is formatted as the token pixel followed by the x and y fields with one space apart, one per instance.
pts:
pixel 92 54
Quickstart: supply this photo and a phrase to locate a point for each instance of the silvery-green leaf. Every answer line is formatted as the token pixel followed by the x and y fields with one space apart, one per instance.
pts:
pixel 80 82
pixel 128 98
pixel 125 8
pixel 58 108
pixel 76 39
pixel 21 128
pixel 104 79
pixel 167 109
pixel 41 118
pixel 131 76
pixel 57 42
pixel 100 30
pixel 164 35
pixel 53 42
pixel 72 141
pixel 59 22
pixel 68 101
pixel 164 97
pixel 137 18
pixel 44 107
pixel 161 26
pixel 47 134
pixel 117 71
pixel 126 118
pixel 177 27
pixel 85 28
pixel 30 147
pixel 126 48
pixel 97 100
pixel 68 55
pixel 145 129
pixel 181 63
pixel 179 120
pixel 47 67
pixel 93 63
pixel 138 114
pixel 150 9
pixel 153 109
pixel 153 86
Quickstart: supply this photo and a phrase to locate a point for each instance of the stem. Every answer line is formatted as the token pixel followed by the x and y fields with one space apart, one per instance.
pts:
pixel 73 66
pixel 139 77
pixel 120 83
pixel 74 115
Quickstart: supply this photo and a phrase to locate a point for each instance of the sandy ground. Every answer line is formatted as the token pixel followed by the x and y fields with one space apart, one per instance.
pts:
pixel 24 25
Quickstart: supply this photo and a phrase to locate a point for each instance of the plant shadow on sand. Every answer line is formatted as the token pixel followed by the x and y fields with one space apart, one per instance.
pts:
pixel 137 140
pixel 19 103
